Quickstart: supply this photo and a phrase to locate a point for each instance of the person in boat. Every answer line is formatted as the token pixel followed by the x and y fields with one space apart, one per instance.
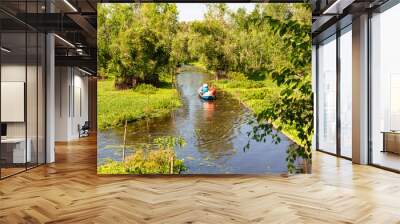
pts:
pixel 212 91
pixel 205 88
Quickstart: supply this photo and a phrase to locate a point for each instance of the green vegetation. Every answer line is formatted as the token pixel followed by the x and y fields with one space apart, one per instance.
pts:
pixel 264 55
pixel 294 107
pixel 138 50
pixel 256 95
pixel 138 43
pixel 144 101
pixel 156 158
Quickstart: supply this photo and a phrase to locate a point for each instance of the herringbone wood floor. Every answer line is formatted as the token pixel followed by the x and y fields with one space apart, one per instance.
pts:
pixel 69 191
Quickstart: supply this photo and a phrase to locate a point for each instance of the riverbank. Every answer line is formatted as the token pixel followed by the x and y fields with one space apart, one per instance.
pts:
pixel 116 106
pixel 256 95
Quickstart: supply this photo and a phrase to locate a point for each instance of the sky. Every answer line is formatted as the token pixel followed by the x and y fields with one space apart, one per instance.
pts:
pixel 195 11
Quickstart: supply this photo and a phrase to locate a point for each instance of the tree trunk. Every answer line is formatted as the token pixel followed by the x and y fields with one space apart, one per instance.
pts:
pixel 125 82
pixel 307 166
pixel 152 79
pixel 218 74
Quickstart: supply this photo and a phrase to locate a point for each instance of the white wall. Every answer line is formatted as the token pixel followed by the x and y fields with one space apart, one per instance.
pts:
pixel 33 126
pixel 81 113
pixel 11 73
pixel 71 102
pixel 62 82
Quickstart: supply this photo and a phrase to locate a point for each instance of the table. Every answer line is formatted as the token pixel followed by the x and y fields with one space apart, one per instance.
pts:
pixel 19 155
pixel 391 141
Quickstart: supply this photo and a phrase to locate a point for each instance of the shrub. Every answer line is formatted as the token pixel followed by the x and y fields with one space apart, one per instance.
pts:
pixel 236 76
pixel 112 168
pixel 145 89
pixel 156 158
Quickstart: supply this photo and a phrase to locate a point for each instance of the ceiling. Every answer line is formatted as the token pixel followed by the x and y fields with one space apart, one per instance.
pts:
pixel 73 21
pixel 332 15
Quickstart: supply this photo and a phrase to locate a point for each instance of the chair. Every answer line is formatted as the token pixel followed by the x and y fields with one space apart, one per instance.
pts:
pixel 84 130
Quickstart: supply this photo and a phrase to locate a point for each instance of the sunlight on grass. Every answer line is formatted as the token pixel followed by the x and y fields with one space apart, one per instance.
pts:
pixel 116 106
pixel 256 95
pixel 157 158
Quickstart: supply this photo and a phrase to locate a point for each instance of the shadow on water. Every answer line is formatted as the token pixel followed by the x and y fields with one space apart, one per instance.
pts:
pixel 215 134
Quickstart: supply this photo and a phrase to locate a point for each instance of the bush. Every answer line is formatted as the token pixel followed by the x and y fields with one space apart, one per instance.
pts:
pixel 236 76
pixel 159 158
pixel 142 162
pixel 112 168
pixel 145 89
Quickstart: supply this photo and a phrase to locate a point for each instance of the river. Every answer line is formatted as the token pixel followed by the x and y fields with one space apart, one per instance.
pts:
pixel 215 134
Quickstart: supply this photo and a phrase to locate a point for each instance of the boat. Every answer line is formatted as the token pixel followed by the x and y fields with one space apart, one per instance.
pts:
pixel 210 95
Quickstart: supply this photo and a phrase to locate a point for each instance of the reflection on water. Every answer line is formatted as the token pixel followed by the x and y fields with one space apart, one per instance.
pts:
pixel 215 134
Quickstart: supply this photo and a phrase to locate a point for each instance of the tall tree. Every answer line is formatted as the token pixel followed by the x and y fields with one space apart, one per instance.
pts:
pixel 213 40
pixel 138 44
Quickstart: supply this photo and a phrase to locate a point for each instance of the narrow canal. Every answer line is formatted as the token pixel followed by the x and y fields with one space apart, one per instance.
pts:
pixel 215 134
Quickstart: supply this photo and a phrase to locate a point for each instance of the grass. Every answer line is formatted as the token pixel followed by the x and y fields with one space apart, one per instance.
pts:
pixel 144 162
pixel 156 158
pixel 256 95
pixel 199 65
pixel 145 101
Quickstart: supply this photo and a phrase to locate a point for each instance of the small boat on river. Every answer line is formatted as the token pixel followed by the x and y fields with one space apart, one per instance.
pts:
pixel 207 94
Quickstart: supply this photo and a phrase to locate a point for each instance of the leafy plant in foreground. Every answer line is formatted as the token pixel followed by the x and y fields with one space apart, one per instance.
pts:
pixel 294 107
pixel 156 158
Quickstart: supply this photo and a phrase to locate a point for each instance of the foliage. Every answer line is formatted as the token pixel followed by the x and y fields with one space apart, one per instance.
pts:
pixel 150 160
pixel 116 106
pixel 103 55
pixel 180 46
pixel 111 19
pixel 246 84
pixel 143 41
pixel 139 47
pixel 145 89
pixel 294 107
pixel 237 76
pixel 243 42
pixel 257 97
pixel 212 39
pixel 273 42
